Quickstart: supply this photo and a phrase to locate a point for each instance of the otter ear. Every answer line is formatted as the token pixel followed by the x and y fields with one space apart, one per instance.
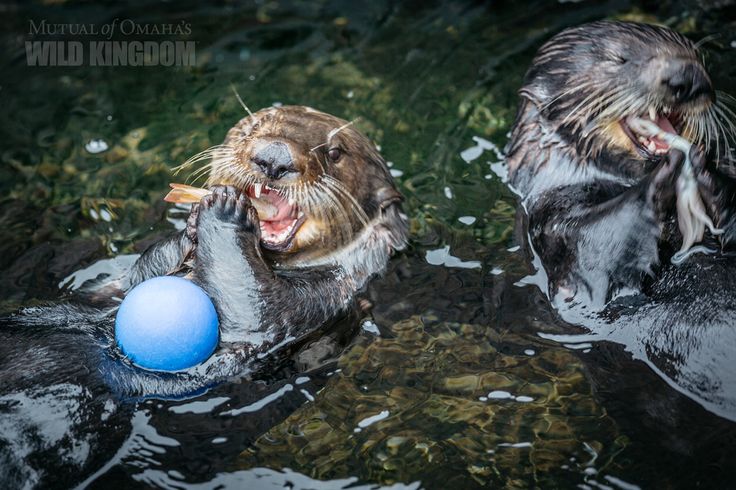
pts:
pixel 386 196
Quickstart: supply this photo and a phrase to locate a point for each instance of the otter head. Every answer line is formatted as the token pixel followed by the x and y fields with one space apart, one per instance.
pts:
pixel 589 80
pixel 320 182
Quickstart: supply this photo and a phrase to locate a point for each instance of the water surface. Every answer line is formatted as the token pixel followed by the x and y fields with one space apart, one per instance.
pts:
pixel 455 379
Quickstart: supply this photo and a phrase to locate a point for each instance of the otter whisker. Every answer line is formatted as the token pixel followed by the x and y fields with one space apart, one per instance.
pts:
pixel 237 96
pixel 335 131
pixel 725 97
pixel 574 112
pixel 620 105
pixel 321 202
pixel 710 127
pixel 199 173
pixel 570 91
pixel 706 39
pixel 727 127
pixel 721 131
pixel 341 214
pixel 728 116
pixel 211 153
pixel 338 187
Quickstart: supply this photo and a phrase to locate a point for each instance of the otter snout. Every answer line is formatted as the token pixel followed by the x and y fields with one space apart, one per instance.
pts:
pixel 274 159
pixel 685 81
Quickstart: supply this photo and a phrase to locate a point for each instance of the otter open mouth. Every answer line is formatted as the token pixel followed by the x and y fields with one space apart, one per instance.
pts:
pixel 647 145
pixel 279 219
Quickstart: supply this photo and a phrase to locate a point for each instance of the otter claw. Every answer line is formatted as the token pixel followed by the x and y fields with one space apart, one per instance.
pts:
pixel 229 205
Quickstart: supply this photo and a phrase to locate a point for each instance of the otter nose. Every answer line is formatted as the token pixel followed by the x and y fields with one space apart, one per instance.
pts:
pixel 274 160
pixel 688 81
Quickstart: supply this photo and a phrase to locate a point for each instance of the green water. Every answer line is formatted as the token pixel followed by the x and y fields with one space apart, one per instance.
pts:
pixel 422 80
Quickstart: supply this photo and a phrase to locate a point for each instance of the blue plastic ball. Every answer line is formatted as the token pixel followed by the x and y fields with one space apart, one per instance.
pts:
pixel 167 324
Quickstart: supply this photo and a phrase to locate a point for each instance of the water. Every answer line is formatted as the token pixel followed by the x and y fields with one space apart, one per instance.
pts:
pixel 464 376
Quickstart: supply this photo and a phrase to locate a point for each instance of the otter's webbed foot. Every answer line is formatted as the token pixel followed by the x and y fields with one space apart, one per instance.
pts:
pixel 228 263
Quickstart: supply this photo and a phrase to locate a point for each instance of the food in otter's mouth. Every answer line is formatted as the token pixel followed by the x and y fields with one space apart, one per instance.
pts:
pixel 692 217
pixel 279 218
pixel 649 144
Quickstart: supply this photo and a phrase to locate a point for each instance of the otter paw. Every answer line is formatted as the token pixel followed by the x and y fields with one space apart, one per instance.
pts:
pixel 662 187
pixel 191 228
pixel 707 182
pixel 228 204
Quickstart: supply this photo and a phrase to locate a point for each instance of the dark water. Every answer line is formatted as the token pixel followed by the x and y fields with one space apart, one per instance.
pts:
pixel 454 381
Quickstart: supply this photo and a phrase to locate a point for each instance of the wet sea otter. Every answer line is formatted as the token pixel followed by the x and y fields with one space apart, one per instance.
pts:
pixel 335 219
pixel 603 200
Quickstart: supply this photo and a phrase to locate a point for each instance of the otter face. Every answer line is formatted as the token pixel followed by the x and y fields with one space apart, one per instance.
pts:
pixel 588 81
pixel 315 181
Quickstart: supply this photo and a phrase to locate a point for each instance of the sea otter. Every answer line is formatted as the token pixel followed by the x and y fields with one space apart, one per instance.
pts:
pixel 335 220
pixel 602 199
pixel 277 281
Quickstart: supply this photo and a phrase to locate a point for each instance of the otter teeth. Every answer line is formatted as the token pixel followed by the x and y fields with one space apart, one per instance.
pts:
pixel 652 114
pixel 257 190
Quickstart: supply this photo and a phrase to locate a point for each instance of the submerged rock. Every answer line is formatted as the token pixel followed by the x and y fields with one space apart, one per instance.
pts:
pixel 416 406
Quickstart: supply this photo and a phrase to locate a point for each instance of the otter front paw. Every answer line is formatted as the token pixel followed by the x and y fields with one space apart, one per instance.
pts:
pixel 709 184
pixel 718 192
pixel 228 205
pixel 661 191
pixel 191 228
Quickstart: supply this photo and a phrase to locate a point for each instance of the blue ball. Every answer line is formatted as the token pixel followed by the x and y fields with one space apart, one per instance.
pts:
pixel 167 324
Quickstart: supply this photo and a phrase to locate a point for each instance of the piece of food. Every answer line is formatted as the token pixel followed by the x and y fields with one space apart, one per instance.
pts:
pixel 187 194
pixel 692 217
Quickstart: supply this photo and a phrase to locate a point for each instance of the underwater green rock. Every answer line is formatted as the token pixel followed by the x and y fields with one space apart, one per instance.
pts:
pixel 440 403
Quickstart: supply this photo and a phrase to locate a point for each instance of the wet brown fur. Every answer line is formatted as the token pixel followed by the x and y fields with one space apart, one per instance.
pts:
pixel 339 198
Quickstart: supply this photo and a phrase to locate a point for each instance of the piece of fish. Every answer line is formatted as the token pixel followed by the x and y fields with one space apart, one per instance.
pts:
pixel 187 194
pixel 692 217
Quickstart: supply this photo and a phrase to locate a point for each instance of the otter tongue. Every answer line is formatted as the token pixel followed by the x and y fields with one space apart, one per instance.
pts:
pixel 284 211
pixel 667 127
pixel 665 124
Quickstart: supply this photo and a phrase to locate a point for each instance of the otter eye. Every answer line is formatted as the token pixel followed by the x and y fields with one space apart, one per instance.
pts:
pixel 334 154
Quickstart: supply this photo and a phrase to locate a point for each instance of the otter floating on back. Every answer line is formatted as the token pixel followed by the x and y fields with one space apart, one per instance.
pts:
pixel 578 164
pixel 602 197
pixel 335 221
